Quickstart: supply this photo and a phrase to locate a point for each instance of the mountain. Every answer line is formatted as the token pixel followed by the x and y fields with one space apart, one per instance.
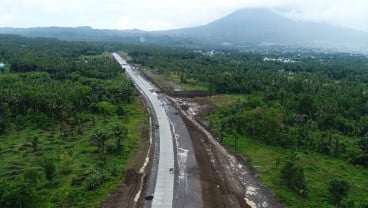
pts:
pixel 243 28
pixel 264 26
pixel 89 34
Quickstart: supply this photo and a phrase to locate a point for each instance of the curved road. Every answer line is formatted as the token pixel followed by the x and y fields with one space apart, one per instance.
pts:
pixel 174 180
pixel 164 189
pixel 191 169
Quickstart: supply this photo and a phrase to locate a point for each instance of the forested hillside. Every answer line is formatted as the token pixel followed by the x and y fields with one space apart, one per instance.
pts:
pixel 69 122
pixel 303 118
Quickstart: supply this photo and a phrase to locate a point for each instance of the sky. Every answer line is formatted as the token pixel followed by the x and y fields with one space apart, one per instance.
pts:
pixel 170 14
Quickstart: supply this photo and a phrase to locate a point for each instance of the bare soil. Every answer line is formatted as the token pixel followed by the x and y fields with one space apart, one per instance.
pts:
pixel 217 191
pixel 123 196
pixel 235 179
pixel 227 180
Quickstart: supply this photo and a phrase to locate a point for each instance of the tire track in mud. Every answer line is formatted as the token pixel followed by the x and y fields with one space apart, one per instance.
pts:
pixel 227 179
pixel 217 192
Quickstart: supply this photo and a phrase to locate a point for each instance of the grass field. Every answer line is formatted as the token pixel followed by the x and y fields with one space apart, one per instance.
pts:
pixel 81 180
pixel 190 85
pixel 172 81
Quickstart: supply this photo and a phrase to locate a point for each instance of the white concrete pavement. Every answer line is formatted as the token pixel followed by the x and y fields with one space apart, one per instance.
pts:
pixel 164 189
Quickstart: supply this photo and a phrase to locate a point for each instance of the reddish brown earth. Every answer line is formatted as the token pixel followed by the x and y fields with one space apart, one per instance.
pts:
pixel 217 191
pixel 123 196
pixel 225 177
pixel 236 179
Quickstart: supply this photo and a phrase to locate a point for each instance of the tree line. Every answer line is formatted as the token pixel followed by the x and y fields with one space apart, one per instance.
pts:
pixel 318 101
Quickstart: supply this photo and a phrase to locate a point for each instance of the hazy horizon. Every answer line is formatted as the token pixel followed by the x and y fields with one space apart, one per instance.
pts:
pixel 162 15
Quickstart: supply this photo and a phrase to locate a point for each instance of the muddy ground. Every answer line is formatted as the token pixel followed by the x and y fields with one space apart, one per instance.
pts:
pixel 227 179
pixel 217 192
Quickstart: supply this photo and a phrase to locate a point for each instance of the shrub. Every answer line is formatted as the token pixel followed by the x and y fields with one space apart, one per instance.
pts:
pixel 2 126
pixel 31 176
pixel 120 110
pixel 65 197
pixel 66 163
pixel 361 160
pixel 94 180
pixel 293 174
pixel 34 143
pixel 106 108
pixel 338 189
pixel 49 168
pixel 18 193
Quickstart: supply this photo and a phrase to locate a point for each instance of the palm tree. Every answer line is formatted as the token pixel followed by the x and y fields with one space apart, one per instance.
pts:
pixel 120 134
pixel 100 138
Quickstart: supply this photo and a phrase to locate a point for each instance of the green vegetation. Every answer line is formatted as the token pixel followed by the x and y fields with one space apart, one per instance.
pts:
pixel 300 118
pixel 298 176
pixel 179 80
pixel 319 170
pixel 316 102
pixel 69 122
pixel 338 189
pixel 293 174
pixel 5 69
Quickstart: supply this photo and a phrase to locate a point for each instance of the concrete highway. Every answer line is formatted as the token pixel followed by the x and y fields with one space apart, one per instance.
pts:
pixel 174 178
pixel 189 167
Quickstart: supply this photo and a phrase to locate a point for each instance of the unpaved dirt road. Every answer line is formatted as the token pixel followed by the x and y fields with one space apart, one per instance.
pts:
pixel 187 166
pixel 237 182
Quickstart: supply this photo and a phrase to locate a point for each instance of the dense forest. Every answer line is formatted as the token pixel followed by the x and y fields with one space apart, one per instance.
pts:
pixel 302 102
pixel 69 121
pixel 312 102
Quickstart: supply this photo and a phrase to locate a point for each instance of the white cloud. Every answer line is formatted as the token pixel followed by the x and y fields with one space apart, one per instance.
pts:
pixel 6 18
pixel 164 14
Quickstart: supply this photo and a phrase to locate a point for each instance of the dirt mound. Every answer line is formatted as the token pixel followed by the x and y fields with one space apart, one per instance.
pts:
pixel 189 94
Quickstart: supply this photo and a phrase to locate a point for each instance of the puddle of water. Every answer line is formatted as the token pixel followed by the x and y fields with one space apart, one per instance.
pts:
pixel 251 191
pixel 250 203
pixel 182 155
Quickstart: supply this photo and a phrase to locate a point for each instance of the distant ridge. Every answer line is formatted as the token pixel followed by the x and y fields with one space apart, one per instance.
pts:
pixel 73 33
pixel 261 27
